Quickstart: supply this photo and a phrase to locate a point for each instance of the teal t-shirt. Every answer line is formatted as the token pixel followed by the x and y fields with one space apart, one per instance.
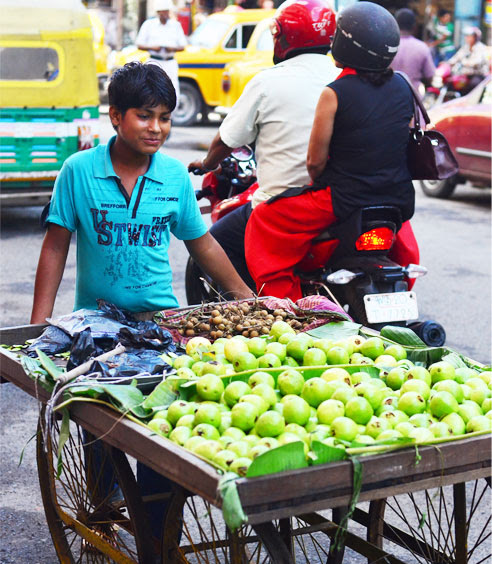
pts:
pixel 122 242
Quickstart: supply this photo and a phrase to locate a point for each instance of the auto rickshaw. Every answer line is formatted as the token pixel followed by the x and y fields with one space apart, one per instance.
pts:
pixel 49 101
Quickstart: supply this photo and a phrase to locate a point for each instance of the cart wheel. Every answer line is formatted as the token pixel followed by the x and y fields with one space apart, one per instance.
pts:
pixel 195 532
pixel 90 519
pixel 442 525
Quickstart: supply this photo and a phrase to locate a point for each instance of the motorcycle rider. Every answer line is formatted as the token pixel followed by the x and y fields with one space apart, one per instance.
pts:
pixel 275 111
pixel 472 59
pixel 356 155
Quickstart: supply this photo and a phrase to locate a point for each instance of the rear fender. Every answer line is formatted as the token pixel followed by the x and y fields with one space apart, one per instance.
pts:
pixel 230 204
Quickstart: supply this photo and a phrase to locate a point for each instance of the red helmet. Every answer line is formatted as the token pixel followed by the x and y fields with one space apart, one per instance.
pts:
pixel 302 25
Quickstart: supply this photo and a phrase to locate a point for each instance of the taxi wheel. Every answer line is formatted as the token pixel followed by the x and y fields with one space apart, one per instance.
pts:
pixel 189 106
pixel 439 188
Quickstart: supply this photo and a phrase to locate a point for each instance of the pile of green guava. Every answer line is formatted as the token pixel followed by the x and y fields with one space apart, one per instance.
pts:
pixel 249 396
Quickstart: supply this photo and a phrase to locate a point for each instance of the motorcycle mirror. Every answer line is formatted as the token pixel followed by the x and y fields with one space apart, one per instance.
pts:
pixel 244 153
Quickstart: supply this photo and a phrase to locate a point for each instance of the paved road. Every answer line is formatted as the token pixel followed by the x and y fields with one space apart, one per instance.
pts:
pixel 454 236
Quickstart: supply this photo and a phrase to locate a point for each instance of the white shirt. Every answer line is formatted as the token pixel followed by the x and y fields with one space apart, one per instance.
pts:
pixel 277 110
pixel 169 34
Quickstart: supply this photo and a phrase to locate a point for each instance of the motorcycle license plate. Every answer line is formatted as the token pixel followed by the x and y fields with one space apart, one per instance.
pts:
pixel 397 306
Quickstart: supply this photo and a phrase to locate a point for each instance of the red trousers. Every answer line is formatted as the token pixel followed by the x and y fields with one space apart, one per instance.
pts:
pixel 278 236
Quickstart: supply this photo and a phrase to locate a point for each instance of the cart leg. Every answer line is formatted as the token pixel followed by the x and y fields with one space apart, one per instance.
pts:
pixel 375 526
pixel 460 523
pixel 272 540
pixel 336 553
pixel 285 529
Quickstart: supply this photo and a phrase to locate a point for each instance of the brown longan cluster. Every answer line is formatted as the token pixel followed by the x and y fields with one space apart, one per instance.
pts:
pixel 228 319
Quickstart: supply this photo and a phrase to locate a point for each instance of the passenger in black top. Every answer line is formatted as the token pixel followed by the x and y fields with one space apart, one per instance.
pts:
pixel 356 155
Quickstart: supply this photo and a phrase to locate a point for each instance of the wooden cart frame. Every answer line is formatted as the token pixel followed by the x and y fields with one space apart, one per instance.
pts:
pixel 271 502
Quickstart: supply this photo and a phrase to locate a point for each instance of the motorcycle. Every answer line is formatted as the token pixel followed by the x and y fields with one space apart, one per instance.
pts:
pixel 348 262
pixel 445 86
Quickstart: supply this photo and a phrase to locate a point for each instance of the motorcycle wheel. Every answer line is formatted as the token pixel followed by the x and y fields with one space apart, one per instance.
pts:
pixel 198 286
pixel 439 188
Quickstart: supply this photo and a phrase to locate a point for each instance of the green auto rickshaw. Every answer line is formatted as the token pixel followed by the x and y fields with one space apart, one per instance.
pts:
pixel 49 100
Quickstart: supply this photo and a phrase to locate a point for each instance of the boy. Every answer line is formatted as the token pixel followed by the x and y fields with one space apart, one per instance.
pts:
pixel 123 199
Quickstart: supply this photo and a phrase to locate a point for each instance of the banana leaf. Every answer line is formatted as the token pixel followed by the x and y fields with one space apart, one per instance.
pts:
pixel 287 457
pixel 86 390
pixel 162 396
pixel 335 330
pixel 232 510
pixel 325 453
pixel 127 399
pixel 51 368
pixel 402 335
pixel 34 370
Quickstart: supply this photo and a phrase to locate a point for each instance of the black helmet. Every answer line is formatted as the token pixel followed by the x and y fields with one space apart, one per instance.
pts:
pixel 366 38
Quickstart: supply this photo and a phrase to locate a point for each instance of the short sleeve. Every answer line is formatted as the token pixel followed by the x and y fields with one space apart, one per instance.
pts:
pixel 240 126
pixel 142 36
pixel 180 36
pixel 62 207
pixel 190 224
pixel 428 66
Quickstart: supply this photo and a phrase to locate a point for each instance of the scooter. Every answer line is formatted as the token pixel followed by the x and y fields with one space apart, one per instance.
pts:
pixel 348 262
pixel 445 86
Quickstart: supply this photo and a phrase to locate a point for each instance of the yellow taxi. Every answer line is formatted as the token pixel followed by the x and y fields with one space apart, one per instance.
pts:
pixel 258 56
pixel 222 38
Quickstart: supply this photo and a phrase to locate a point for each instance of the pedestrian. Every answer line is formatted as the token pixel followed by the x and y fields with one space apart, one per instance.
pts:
pixel 162 37
pixel 414 57
pixel 444 43
pixel 123 200
pixel 276 111
pixel 472 59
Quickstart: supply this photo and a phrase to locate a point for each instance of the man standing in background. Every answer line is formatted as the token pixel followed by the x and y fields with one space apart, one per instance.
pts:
pixel 444 45
pixel 162 37
pixel 414 57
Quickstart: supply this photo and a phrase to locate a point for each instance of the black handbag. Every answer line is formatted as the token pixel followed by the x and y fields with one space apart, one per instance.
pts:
pixel 429 156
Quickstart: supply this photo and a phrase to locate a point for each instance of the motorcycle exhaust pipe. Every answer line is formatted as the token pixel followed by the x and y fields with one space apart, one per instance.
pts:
pixel 431 332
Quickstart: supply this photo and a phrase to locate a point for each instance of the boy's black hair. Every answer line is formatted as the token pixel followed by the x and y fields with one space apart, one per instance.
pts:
pixel 405 19
pixel 442 12
pixel 138 85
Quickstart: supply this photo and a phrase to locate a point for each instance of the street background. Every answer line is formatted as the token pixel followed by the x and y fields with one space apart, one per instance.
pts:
pixel 455 241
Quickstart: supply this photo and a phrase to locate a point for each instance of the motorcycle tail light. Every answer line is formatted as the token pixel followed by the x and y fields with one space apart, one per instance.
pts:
pixel 378 239
pixel 415 271
pixel 226 82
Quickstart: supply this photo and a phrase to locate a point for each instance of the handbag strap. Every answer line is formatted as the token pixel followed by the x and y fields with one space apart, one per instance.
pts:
pixel 417 102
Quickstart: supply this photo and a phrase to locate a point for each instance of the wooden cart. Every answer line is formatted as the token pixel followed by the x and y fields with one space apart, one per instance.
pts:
pixel 427 506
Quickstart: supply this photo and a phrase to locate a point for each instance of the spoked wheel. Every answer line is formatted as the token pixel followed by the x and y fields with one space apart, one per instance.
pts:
pixel 444 525
pixel 195 533
pixel 91 501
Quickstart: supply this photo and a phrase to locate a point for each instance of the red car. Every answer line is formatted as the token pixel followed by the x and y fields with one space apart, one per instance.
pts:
pixel 466 124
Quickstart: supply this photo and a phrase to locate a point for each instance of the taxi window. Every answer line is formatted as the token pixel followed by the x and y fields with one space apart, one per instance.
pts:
pixel 265 41
pixel 28 63
pixel 209 33
pixel 239 38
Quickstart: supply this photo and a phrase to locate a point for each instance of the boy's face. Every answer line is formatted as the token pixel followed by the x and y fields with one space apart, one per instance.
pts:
pixel 143 130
